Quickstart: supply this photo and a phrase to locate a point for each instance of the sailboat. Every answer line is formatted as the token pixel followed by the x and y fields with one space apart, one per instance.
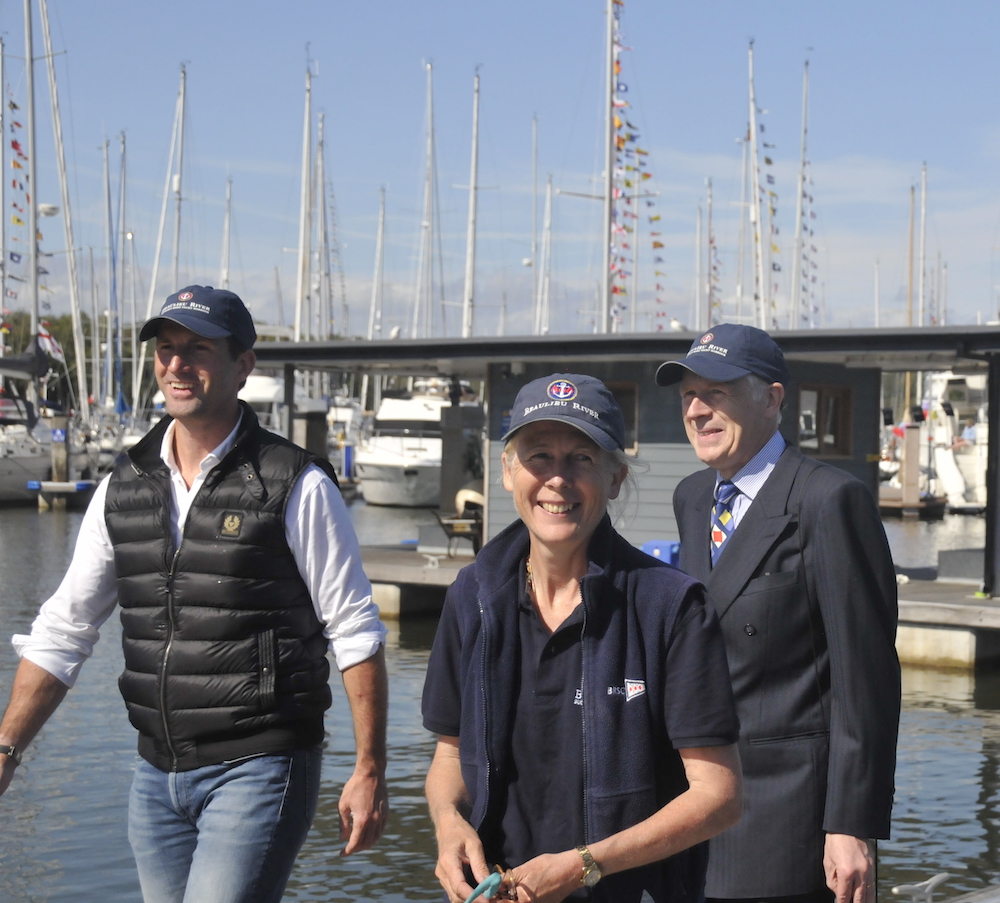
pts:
pixel 25 449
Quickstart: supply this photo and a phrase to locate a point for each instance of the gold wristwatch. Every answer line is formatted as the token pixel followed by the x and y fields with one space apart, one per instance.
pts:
pixel 591 870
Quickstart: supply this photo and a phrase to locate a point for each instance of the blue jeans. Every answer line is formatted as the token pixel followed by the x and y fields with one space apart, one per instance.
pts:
pixel 225 833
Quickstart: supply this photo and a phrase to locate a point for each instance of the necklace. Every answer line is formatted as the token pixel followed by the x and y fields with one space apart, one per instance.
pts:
pixel 529 584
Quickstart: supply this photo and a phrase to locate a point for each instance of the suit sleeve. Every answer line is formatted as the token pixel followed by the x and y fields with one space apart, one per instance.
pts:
pixel 851 576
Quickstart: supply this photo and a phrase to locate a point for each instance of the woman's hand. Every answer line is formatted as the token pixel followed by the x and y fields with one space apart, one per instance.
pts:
pixel 459 846
pixel 548 878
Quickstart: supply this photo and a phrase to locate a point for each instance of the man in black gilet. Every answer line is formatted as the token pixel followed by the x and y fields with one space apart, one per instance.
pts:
pixel 232 558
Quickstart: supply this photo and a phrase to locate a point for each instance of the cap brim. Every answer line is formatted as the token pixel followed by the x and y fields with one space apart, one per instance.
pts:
pixel 701 365
pixel 197 325
pixel 598 435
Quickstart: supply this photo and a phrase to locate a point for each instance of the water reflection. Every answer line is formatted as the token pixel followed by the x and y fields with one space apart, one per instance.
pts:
pixel 68 801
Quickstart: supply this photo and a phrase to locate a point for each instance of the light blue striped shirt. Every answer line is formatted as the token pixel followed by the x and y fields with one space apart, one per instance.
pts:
pixel 753 476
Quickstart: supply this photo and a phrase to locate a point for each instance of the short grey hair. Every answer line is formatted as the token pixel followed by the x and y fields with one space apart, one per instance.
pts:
pixel 757 388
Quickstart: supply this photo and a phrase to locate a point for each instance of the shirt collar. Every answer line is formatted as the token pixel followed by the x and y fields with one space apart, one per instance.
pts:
pixel 753 475
pixel 209 461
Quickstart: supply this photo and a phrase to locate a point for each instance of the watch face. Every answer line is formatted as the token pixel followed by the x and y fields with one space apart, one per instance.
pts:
pixel 591 876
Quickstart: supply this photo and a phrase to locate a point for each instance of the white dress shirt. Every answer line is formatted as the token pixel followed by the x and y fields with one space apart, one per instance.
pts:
pixel 319 534
pixel 753 475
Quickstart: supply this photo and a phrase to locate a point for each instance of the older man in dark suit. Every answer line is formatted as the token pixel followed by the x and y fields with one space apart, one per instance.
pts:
pixel 795 560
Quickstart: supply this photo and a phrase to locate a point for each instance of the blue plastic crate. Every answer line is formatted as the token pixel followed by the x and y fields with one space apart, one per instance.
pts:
pixel 668 550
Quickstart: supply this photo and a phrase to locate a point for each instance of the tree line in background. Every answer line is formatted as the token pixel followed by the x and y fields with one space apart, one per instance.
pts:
pixel 62 385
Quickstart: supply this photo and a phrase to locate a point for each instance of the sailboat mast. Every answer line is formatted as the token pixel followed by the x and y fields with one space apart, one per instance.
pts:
pixel 604 326
pixel 109 270
pixel 122 264
pixel 878 296
pixel 796 298
pixel 174 134
pixel 762 294
pixel 425 257
pixel 534 210
pixel 323 241
pixel 226 226
pixel 178 178
pixel 468 296
pixel 29 84
pixel 95 333
pixel 375 307
pixel 922 272
pixel 709 247
pixel 302 283
pixel 634 306
pixel 697 273
pixel 741 247
pixel 79 345
pixel 545 273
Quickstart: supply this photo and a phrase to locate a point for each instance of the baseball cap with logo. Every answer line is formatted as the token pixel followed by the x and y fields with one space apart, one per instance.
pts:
pixel 210 312
pixel 572 398
pixel 727 352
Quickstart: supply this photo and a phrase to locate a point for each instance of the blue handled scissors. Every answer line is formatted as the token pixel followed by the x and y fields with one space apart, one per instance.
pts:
pixel 487 888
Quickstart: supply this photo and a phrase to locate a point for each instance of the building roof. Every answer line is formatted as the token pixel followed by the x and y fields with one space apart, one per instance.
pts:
pixel 959 348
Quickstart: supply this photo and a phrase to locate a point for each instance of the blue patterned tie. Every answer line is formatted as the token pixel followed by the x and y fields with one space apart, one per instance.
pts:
pixel 722 517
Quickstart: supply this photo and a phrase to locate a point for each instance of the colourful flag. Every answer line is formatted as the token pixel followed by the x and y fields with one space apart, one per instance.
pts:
pixel 639 150
pixel 647 175
pixel 657 244
pixel 17 221
pixel 655 218
pixel 15 165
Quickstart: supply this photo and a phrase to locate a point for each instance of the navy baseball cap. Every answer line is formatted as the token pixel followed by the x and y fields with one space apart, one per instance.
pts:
pixel 727 352
pixel 581 401
pixel 210 312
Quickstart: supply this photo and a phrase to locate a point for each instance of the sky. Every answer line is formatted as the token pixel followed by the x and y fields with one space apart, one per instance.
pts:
pixel 892 86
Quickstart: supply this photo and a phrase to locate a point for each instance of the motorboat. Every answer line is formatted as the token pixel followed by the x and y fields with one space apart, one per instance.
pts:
pixel 399 462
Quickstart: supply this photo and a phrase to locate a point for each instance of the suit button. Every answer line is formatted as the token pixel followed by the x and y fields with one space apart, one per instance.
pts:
pixel 750 630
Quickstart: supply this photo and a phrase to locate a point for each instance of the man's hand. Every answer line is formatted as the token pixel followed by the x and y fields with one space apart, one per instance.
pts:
pixel 364 811
pixel 850 868
pixel 364 804
pixel 34 697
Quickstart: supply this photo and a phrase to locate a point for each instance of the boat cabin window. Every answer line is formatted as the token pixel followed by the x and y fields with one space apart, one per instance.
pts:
pixel 825 421
pixel 430 428
pixel 627 396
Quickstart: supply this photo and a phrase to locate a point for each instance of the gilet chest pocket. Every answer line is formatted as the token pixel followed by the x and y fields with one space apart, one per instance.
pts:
pixel 267 658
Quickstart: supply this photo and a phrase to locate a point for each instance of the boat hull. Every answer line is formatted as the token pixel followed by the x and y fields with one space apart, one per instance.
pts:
pixel 404 486
pixel 15 472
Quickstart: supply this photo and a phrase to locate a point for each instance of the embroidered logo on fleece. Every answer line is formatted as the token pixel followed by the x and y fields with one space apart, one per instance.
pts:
pixel 231 525
pixel 631 690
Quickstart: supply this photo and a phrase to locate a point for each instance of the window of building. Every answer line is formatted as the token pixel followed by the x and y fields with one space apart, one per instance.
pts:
pixel 825 421
pixel 627 396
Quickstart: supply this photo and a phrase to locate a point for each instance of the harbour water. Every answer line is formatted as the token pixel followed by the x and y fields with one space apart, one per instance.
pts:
pixel 65 837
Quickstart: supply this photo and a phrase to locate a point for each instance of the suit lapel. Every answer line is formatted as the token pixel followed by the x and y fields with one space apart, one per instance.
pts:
pixel 697 528
pixel 759 528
